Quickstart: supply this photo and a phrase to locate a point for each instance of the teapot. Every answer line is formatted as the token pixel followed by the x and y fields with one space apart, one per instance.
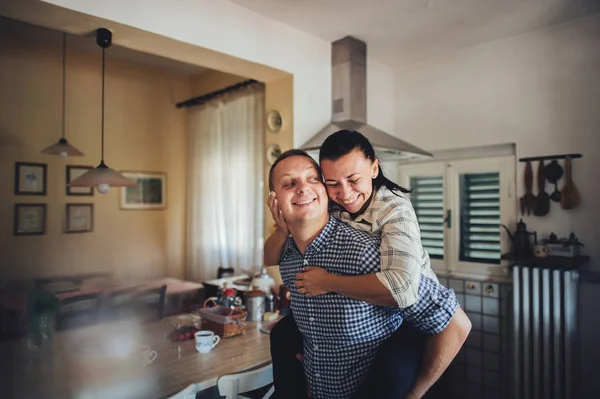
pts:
pixel 263 281
pixel 521 245
pixel 228 297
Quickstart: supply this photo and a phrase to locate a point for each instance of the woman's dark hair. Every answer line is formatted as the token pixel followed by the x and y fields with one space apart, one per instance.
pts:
pixel 344 142
pixel 292 153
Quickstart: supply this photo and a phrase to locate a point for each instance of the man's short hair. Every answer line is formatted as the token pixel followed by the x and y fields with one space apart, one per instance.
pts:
pixel 292 153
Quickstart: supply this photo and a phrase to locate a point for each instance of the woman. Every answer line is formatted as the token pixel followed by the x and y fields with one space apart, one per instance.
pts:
pixel 364 198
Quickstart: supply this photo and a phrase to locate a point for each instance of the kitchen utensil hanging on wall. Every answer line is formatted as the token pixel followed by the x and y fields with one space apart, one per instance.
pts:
pixel 553 172
pixel 542 201
pixel 529 198
pixel 570 197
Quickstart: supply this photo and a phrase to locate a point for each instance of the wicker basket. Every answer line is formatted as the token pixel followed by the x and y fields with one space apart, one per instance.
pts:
pixel 221 320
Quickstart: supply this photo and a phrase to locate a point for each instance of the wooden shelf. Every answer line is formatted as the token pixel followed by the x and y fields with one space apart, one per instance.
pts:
pixel 551 262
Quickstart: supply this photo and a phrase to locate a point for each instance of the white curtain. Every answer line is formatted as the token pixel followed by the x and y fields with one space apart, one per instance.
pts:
pixel 225 184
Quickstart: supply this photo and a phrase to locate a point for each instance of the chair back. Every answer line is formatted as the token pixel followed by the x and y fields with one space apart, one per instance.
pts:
pixel 232 385
pixel 144 303
pixel 225 272
pixel 78 311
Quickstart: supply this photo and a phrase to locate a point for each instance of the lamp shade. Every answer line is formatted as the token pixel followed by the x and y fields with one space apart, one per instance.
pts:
pixel 101 174
pixel 62 148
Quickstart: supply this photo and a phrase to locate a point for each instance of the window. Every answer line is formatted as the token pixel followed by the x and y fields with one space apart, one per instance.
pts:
pixel 428 200
pixel 459 206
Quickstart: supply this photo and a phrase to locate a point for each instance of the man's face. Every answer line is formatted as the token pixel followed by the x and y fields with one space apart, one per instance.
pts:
pixel 299 190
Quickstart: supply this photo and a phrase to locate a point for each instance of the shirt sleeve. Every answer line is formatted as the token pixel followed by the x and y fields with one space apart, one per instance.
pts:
pixel 435 307
pixel 401 251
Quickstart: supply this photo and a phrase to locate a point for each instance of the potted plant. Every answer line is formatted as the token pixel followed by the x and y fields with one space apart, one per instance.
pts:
pixel 42 309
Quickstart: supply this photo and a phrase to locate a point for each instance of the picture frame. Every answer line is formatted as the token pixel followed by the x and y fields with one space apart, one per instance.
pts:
pixel 79 218
pixel 72 172
pixel 29 219
pixel 30 178
pixel 150 192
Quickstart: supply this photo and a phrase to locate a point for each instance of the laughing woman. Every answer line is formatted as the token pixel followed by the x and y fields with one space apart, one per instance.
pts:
pixel 365 199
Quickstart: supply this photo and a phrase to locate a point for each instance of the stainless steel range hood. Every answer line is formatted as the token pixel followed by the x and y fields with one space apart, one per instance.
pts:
pixel 349 92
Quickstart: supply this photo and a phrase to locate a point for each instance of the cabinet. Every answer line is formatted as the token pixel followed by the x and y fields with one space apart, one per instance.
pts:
pixel 481 370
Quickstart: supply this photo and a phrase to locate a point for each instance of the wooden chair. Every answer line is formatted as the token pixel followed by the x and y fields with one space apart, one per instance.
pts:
pixel 192 390
pixel 232 385
pixel 146 304
pixel 225 272
pixel 78 311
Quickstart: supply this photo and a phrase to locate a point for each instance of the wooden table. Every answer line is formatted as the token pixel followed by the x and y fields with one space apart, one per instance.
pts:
pixel 72 373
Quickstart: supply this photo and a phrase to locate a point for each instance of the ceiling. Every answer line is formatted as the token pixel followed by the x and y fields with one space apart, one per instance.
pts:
pixel 402 32
pixel 87 44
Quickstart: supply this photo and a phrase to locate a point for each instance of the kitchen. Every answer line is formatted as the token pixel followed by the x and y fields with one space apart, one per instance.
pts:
pixel 532 88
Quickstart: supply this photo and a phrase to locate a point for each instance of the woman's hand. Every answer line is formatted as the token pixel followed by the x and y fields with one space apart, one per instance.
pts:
pixel 312 281
pixel 280 224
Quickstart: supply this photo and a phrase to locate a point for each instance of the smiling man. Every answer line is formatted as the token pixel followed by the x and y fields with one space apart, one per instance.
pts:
pixel 340 334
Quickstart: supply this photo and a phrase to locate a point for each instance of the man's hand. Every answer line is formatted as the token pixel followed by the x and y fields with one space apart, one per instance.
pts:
pixel 280 224
pixel 312 281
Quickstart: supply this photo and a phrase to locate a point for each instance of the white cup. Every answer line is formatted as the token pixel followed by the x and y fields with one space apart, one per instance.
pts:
pixel 148 355
pixel 206 341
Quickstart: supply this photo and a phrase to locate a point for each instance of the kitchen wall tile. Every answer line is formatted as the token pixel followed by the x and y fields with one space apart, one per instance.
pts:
pixel 476 320
pixel 491 394
pixel 474 391
pixel 461 300
pixel 490 290
pixel 458 387
pixel 491 324
pixel 474 340
pixel 492 361
pixel 491 306
pixel 474 375
pixel 474 357
pixel 491 343
pixel 473 303
pixel 491 379
pixel 473 287
pixel 457 285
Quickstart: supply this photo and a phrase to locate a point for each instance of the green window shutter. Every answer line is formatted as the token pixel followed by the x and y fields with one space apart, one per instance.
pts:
pixel 428 201
pixel 480 217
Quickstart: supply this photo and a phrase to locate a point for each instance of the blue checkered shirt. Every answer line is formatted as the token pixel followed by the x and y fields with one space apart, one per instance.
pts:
pixel 341 334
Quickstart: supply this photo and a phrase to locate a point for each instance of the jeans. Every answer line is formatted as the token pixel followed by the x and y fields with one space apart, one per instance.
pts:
pixel 392 374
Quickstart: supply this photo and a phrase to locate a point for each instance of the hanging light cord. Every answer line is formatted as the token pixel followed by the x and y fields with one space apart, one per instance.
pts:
pixel 64 67
pixel 102 158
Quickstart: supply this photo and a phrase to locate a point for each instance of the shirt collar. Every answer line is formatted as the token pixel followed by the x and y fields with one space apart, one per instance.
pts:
pixel 367 216
pixel 318 243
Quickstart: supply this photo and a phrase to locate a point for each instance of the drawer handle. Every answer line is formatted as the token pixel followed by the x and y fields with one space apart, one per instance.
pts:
pixel 489 289
pixel 470 286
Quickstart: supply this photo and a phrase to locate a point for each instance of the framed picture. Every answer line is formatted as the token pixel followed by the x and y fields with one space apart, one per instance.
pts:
pixel 149 193
pixel 80 218
pixel 30 219
pixel 73 172
pixel 30 178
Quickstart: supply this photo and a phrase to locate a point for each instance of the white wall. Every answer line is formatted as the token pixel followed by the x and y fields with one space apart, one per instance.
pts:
pixel 537 90
pixel 540 91
pixel 230 29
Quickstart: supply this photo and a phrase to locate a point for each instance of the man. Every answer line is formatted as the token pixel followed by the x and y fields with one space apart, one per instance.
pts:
pixel 342 334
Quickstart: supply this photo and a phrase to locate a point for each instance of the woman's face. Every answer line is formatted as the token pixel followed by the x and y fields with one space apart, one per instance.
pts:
pixel 349 179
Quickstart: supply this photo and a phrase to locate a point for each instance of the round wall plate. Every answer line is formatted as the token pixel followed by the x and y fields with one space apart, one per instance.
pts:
pixel 273 152
pixel 274 121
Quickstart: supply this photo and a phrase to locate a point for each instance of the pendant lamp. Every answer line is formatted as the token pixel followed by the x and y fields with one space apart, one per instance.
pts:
pixel 102 177
pixel 62 148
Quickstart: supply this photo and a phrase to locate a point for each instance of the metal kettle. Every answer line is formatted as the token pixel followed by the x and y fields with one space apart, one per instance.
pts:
pixel 520 239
